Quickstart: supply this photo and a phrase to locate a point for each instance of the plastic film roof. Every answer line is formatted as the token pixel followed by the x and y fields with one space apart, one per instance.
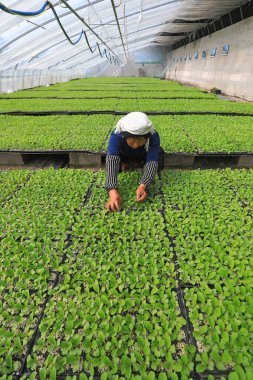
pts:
pixel 39 42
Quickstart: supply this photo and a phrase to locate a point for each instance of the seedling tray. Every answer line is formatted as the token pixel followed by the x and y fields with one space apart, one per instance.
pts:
pixel 179 290
pixel 208 160
pixel 112 112
pixel 106 90
pixel 57 278
pixel 55 158
pixel 87 159
pixel 49 113
pixel 108 97
pixel 184 311
pixel 216 373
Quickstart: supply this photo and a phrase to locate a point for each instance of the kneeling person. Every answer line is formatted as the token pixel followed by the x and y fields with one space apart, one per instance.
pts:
pixel 133 138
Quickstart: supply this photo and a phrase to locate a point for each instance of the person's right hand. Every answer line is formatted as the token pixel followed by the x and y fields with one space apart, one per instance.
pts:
pixel 114 201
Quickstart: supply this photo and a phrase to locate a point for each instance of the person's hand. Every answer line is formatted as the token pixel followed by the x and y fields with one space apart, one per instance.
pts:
pixel 141 193
pixel 114 201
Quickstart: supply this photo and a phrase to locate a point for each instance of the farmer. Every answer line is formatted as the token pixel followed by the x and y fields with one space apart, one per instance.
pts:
pixel 134 138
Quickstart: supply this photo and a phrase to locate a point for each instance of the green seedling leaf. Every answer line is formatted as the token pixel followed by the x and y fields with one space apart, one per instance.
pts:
pixel 43 374
pixel 52 374
pixel 96 286
pixel 233 376
pixel 106 362
pixel 162 376
pixel 151 376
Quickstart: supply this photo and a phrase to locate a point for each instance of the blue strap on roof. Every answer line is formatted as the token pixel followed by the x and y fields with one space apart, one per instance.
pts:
pixel 25 14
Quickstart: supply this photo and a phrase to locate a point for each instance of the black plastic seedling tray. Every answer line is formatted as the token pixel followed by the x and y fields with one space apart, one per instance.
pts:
pixel 106 90
pixel 87 159
pixel 108 97
pixel 113 112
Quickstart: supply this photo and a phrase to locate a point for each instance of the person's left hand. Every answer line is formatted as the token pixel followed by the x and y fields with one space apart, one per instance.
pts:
pixel 141 193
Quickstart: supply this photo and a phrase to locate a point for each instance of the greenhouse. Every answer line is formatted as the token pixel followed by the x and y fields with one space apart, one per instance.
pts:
pixel 126 188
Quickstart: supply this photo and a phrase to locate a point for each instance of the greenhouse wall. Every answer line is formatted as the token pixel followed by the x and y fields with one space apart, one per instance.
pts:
pixel 14 80
pixel 231 73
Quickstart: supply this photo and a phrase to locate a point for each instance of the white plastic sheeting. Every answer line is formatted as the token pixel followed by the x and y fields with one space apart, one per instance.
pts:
pixel 14 80
pixel 38 43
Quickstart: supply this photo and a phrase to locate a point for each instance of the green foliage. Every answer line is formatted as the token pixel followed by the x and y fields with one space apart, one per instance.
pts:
pixel 209 218
pixel 205 133
pixel 191 105
pixel 117 92
pixel 78 132
pixel 114 310
pixel 139 97
pixel 34 222
pixel 128 183
pixel 11 105
pixel 10 181
pixel 190 133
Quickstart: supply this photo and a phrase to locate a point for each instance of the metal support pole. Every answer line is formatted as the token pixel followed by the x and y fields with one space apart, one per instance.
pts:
pixel 117 20
pixel 85 23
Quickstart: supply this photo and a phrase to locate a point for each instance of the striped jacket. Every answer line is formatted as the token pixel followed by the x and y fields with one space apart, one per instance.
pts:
pixel 118 147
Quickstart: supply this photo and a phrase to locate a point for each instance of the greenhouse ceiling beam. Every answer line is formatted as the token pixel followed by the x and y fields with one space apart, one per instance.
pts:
pixel 117 21
pixel 106 23
pixel 34 23
pixel 76 55
pixel 87 25
pixel 152 8
pixel 101 23
pixel 150 36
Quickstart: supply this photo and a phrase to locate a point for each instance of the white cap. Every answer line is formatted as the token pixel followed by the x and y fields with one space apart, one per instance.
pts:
pixel 136 123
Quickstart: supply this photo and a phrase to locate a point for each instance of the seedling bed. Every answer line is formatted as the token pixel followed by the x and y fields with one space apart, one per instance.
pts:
pixel 10 190
pixel 54 283
pixel 110 97
pixel 119 89
pixel 112 112
pixel 171 186
pixel 50 113
pixel 188 328
pixel 204 375
pixel 36 329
